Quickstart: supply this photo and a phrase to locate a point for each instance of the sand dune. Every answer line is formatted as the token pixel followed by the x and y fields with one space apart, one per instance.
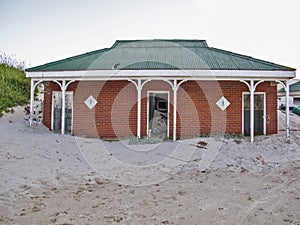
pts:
pixel 48 178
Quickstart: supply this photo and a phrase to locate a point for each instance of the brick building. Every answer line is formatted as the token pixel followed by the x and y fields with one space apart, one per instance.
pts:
pixel 135 87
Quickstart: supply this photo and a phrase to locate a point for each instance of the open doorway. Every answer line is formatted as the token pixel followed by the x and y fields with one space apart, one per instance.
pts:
pixel 158 114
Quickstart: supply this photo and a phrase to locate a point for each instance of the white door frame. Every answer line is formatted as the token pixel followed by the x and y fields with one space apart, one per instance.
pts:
pixel 52 108
pixel 168 114
pixel 265 110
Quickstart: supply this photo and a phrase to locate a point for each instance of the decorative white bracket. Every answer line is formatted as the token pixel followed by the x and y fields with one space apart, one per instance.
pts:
pixel 175 86
pixel 139 86
pixel 252 88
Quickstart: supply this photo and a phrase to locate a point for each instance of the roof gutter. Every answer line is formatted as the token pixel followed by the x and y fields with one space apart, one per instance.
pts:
pixel 193 74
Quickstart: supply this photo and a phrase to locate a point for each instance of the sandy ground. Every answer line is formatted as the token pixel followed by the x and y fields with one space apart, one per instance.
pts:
pixel 48 178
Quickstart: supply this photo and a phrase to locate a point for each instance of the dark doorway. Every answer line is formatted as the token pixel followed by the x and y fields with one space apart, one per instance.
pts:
pixel 259 111
pixel 56 112
pixel 158 114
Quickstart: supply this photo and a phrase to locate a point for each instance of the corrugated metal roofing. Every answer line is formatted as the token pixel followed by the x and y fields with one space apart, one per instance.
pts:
pixel 160 54
pixel 293 87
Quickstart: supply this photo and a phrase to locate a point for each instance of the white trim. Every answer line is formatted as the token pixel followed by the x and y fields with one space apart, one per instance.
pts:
pixel 292 94
pixel 52 109
pixel 108 74
pixel 33 85
pixel 31 102
pixel 175 89
pixel 168 122
pixel 63 107
pixel 160 78
pixel 243 119
pixel 265 110
pixel 287 106
pixel 139 87
pixel 287 111
pixel 252 114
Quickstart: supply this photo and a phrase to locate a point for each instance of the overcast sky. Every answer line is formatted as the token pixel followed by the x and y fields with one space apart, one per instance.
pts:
pixel 43 31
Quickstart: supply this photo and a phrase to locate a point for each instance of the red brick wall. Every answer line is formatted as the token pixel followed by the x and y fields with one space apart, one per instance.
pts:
pixel 116 111
pixel 211 119
pixel 271 105
pixel 115 115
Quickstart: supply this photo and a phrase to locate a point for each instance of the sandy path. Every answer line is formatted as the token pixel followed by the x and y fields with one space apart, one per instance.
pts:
pixel 46 180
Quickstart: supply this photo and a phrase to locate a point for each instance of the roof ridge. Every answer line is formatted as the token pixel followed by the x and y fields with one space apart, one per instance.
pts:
pixel 162 40
pixel 215 58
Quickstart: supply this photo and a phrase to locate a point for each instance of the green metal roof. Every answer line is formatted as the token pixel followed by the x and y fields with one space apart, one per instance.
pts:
pixel 293 87
pixel 160 54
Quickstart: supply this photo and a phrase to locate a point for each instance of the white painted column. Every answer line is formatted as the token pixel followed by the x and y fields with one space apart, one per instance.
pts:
pixel 252 88
pixel 63 107
pixel 32 86
pixel 287 110
pixel 139 86
pixel 139 103
pixel 175 88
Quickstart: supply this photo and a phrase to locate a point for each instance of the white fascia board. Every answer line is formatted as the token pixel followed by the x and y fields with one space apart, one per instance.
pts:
pixel 295 93
pixel 292 93
pixel 193 74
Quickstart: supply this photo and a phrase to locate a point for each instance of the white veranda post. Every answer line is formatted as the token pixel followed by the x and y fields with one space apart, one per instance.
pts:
pixel 287 104
pixel 252 89
pixel 63 107
pixel 139 90
pixel 175 88
pixel 64 87
pixel 139 86
pixel 32 87
pixel 287 110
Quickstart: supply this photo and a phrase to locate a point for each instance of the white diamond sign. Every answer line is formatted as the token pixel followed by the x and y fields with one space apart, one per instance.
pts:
pixel 223 103
pixel 90 102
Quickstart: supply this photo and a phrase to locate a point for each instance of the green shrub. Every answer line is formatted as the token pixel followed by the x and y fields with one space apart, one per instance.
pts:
pixel 14 88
